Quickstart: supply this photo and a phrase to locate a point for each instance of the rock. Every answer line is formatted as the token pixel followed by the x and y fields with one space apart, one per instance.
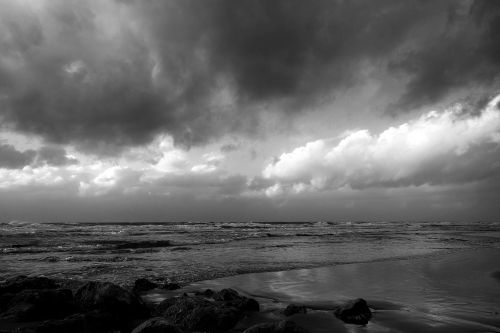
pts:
pixel 354 312
pixel 165 304
pixel 144 285
pixel 33 305
pixel 90 322
pixel 23 282
pixel 226 295
pixel 293 309
pixel 195 313
pixel 157 325
pixel 171 286
pixel 109 297
pixel 5 301
pixel 206 293
pixel 231 298
pixel 284 326
pixel 245 304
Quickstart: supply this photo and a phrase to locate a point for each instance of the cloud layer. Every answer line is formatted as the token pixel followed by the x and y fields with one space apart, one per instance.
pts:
pixel 11 158
pixel 107 75
pixel 451 147
pixel 179 105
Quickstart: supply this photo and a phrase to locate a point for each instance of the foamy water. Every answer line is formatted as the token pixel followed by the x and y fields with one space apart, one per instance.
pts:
pixel 189 251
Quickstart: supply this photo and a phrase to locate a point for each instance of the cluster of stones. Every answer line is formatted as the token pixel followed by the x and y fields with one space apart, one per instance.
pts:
pixel 43 305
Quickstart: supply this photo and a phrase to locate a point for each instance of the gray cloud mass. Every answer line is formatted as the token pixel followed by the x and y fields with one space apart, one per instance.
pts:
pixel 106 75
pixel 55 156
pixel 11 158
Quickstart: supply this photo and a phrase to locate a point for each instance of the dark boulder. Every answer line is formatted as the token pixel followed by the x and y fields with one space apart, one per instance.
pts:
pixel 195 313
pixel 90 322
pixel 227 294
pixel 111 298
pixel 165 304
pixel 23 282
pixel 354 312
pixel 157 325
pixel 5 300
pixel 284 326
pixel 144 285
pixel 245 304
pixel 206 293
pixel 171 286
pixel 230 297
pixel 33 305
pixel 293 309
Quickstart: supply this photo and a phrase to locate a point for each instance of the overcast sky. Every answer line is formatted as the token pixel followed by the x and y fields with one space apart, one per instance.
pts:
pixel 155 110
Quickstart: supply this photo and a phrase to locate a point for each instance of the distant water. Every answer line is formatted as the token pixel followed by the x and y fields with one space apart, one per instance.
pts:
pixel 187 252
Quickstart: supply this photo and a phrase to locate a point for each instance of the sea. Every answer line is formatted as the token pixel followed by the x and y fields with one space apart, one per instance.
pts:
pixel 186 252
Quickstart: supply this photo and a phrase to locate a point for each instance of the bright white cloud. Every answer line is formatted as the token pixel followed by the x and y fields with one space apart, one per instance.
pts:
pixel 451 146
pixel 155 169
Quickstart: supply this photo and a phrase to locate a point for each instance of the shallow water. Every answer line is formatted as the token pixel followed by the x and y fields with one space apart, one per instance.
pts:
pixel 191 251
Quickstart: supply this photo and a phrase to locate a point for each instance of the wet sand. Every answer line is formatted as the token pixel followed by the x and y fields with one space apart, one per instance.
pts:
pixel 446 292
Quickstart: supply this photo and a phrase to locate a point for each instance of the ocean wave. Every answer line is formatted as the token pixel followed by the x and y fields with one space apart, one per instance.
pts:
pixel 24 250
pixel 127 244
pixel 18 223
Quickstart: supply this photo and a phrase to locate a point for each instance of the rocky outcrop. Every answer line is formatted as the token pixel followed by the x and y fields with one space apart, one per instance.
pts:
pixel 171 286
pixel 230 297
pixel 43 305
pixel 90 322
pixel 110 298
pixel 207 311
pixel 284 326
pixel 157 325
pixel 205 293
pixel 40 304
pixel 22 282
pixel 354 312
pixel 37 304
pixel 194 313
pixel 143 284
pixel 227 294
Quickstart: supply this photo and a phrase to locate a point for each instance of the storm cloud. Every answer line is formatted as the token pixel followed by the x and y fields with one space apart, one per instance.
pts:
pixel 53 155
pixel 107 75
pixel 465 54
pixel 11 158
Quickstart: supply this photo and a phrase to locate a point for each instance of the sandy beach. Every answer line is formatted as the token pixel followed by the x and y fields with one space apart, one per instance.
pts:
pixel 446 292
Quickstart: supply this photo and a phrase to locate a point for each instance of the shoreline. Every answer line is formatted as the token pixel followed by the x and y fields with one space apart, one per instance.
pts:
pixel 335 264
pixel 266 270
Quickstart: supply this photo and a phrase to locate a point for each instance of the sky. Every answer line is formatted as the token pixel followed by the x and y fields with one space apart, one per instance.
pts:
pixel 218 110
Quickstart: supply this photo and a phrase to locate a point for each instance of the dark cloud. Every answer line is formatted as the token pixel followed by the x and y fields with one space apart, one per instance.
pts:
pixel 465 53
pixel 11 158
pixel 53 155
pixel 109 75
